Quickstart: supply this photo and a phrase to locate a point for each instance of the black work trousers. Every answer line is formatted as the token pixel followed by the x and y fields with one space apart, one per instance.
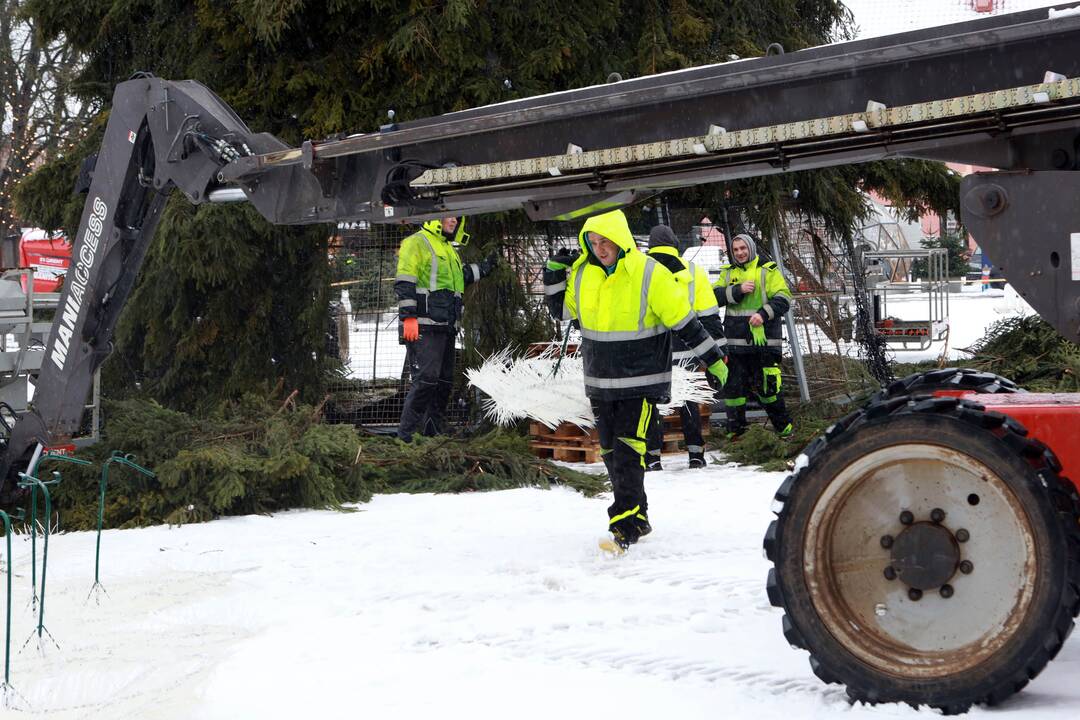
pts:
pixel 431 361
pixel 690 415
pixel 623 426
pixel 757 373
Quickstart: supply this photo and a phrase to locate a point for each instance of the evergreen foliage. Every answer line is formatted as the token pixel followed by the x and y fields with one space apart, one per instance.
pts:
pixel 226 303
pixel 368 271
pixel 760 445
pixel 257 456
pixel 957 260
pixel 1030 352
pixel 312 69
pixel 498 311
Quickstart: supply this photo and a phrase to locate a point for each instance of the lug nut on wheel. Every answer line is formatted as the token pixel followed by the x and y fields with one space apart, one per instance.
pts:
pixel 962 535
pixel 937 516
pixel 886 541
pixel 914 594
pixel 906 518
pixel 966 567
pixel 890 573
pixel 946 591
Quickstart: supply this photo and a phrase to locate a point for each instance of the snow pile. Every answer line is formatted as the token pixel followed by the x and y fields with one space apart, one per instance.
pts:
pixel 553 392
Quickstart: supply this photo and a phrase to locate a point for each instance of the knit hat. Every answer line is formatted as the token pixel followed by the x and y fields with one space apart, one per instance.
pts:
pixel 662 236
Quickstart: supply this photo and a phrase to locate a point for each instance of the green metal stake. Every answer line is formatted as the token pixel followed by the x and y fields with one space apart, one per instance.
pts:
pixel 6 687
pixel 28 481
pixel 123 459
pixel 33 516
pixel 7 634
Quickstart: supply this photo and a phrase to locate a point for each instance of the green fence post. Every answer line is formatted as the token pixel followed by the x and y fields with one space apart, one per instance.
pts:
pixel 28 481
pixel 6 689
pixel 123 459
pixel 7 631
pixel 33 515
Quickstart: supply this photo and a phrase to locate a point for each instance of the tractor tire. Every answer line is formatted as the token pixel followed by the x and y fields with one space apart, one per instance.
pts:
pixel 926 551
pixel 952 379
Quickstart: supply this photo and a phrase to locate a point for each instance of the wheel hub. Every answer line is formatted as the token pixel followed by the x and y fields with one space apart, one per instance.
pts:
pixel 912 603
pixel 925 556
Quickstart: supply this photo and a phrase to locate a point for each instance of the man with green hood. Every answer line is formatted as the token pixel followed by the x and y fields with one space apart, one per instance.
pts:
pixel 755 298
pixel 625 303
pixel 429 283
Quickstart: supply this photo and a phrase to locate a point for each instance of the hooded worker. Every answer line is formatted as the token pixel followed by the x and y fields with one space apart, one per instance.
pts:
pixel 664 248
pixel 429 283
pixel 625 304
pixel 755 298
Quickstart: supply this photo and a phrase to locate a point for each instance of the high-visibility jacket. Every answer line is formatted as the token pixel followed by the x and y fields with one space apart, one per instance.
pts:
pixel 430 276
pixel 624 314
pixel 699 293
pixel 770 299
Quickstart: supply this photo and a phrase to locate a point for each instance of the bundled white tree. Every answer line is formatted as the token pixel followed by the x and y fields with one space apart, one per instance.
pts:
pixel 552 391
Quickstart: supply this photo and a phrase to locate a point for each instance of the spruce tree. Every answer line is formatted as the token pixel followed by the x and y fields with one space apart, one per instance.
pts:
pixel 245 303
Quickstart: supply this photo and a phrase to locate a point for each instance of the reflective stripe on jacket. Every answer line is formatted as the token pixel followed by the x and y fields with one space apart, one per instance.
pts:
pixel 624 316
pixel 430 277
pixel 770 299
pixel 700 295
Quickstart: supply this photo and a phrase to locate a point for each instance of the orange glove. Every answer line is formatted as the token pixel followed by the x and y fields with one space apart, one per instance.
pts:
pixel 412 330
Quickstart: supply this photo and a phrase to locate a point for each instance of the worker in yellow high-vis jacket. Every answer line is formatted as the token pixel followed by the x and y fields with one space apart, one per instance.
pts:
pixel 755 298
pixel 664 248
pixel 625 303
pixel 429 283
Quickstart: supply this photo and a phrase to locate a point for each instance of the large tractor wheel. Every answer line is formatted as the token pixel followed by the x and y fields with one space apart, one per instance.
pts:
pixel 926 551
pixel 952 379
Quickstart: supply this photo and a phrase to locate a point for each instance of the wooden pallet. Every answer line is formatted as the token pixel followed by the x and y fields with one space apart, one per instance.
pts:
pixel 673 422
pixel 566 453
pixel 567 442
pixel 570 443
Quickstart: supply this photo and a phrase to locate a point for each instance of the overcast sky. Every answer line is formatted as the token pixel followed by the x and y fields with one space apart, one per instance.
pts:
pixel 885 17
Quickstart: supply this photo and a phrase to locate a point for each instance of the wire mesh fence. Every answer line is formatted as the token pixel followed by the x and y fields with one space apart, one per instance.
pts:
pixel 364 335
pixel 374 376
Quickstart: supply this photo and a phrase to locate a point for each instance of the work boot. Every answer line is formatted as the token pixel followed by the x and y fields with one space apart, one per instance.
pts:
pixel 652 461
pixel 787 431
pixel 626 531
pixel 643 526
pixel 696 463
pixel 736 422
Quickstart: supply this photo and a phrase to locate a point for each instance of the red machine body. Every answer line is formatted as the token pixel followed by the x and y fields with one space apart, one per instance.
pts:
pixel 1052 418
pixel 49 256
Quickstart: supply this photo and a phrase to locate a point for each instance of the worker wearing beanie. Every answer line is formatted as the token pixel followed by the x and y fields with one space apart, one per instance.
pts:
pixel 663 247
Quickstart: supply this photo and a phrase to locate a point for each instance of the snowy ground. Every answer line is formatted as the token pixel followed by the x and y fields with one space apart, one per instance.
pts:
pixel 483 605
pixel 486 605
pixel 970 312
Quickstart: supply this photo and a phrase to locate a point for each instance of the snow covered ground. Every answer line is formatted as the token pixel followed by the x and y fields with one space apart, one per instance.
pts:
pixel 486 605
pixel 483 605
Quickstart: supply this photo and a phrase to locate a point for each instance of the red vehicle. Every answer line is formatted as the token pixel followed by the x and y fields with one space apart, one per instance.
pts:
pixel 48 256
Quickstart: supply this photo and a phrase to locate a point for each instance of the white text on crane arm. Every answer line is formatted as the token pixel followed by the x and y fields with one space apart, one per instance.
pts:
pixel 80 277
